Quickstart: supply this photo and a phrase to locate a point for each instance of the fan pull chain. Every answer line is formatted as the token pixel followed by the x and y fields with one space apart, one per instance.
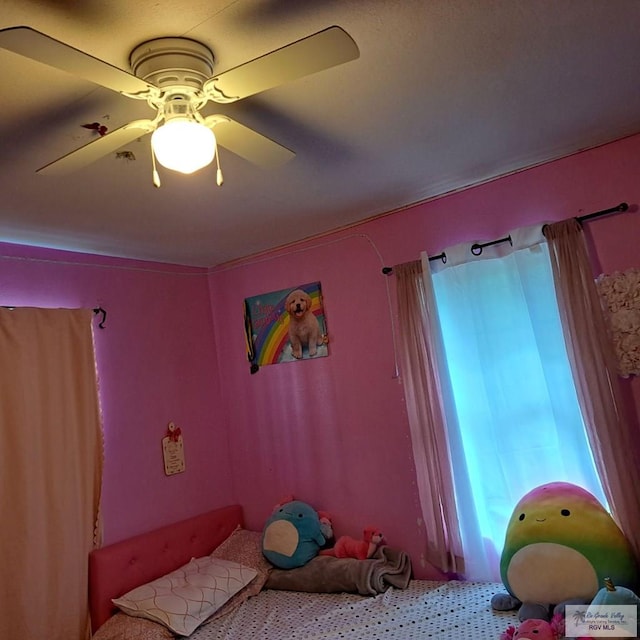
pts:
pixel 219 178
pixel 155 174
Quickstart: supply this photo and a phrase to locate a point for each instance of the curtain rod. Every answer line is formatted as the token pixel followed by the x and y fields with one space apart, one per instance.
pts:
pixel 97 310
pixel 476 248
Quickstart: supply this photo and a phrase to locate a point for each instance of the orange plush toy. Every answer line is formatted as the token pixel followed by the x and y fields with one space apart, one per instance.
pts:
pixel 347 547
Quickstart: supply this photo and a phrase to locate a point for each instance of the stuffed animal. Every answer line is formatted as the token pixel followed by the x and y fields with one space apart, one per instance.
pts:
pixel 614 595
pixel 536 629
pixel 560 545
pixel 292 535
pixel 347 547
pixel 611 594
pixel 326 527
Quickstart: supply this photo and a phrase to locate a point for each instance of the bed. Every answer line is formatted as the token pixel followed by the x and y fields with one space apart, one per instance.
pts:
pixel 328 598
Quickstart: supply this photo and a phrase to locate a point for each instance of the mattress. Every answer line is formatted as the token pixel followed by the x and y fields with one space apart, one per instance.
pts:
pixel 454 610
pixel 396 607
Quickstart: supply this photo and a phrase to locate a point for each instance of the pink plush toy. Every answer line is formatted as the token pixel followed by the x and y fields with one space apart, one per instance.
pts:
pixel 347 547
pixel 536 629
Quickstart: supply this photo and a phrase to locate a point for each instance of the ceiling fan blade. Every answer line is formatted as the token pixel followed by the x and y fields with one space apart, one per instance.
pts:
pixel 247 143
pixel 98 148
pixel 40 47
pixel 317 52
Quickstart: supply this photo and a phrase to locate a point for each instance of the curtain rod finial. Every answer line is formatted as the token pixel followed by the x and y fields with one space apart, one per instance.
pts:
pixel 100 311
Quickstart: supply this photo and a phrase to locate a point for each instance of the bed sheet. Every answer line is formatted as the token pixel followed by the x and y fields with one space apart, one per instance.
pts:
pixel 453 610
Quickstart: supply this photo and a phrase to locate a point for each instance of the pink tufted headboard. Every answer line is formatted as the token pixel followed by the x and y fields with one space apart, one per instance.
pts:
pixel 119 567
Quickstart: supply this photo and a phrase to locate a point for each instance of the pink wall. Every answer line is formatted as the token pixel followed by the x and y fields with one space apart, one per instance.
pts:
pixel 156 362
pixel 334 431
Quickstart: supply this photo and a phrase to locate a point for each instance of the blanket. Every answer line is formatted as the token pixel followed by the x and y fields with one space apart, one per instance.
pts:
pixel 389 567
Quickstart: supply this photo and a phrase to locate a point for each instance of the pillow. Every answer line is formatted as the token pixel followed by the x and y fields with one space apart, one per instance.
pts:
pixel 186 597
pixel 245 548
pixel 124 627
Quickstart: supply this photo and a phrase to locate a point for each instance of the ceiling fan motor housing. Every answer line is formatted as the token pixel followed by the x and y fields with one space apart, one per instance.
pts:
pixel 173 62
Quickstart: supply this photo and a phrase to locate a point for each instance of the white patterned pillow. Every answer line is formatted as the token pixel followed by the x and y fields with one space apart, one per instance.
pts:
pixel 186 597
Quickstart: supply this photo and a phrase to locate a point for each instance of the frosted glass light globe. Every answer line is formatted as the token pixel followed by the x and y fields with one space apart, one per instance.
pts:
pixel 183 145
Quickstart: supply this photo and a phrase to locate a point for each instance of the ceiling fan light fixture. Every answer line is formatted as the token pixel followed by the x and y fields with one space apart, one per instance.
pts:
pixel 174 76
pixel 184 145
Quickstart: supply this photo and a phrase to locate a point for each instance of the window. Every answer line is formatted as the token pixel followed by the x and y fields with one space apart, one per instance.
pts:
pixel 516 422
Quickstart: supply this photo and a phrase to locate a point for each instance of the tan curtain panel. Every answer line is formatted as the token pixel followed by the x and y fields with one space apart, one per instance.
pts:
pixel 594 366
pixel 50 468
pixel 419 365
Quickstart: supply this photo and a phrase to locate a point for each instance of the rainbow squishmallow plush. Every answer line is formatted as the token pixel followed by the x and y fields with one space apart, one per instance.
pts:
pixel 292 535
pixel 560 544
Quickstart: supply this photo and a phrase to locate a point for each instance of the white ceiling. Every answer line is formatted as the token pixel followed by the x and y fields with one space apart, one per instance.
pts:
pixel 445 94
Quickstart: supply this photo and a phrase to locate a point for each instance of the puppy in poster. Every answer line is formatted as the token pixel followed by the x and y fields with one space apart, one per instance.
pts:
pixel 304 328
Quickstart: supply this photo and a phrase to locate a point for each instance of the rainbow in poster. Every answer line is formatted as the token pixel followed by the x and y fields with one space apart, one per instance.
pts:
pixel 267 325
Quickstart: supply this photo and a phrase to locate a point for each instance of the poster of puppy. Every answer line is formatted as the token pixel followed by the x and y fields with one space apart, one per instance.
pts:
pixel 286 325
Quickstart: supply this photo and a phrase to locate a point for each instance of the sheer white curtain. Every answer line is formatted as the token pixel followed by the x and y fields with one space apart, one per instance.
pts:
pixel 50 471
pixel 513 410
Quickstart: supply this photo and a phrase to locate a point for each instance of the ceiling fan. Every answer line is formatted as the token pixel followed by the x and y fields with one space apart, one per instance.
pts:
pixel 175 77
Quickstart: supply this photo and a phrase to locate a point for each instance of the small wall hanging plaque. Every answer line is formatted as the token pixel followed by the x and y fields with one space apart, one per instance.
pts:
pixel 286 325
pixel 173 450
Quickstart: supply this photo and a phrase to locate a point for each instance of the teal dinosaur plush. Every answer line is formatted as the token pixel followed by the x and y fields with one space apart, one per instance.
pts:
pixel 292 535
